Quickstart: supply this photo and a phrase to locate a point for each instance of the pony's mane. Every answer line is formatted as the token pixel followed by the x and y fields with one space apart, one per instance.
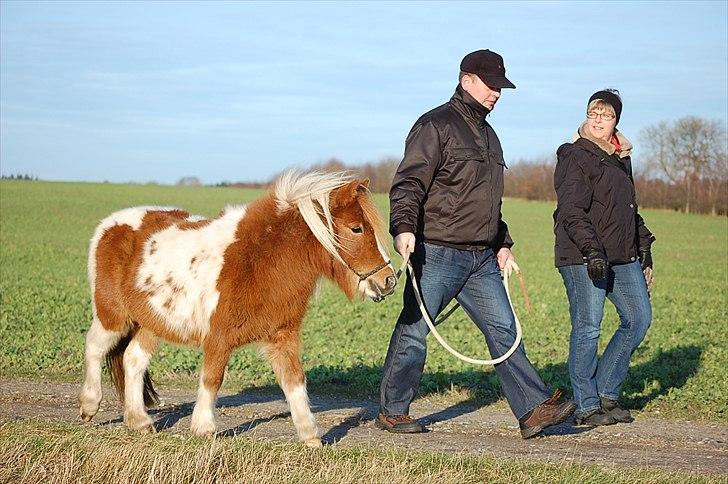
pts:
pixel 310 192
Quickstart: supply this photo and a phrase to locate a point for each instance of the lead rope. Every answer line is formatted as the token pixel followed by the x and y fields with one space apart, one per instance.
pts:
pixel 511 266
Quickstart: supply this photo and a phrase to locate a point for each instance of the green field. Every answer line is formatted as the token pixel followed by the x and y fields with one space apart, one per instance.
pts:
pixel 679 371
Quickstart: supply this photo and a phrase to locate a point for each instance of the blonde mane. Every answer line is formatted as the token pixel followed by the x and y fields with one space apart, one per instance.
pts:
pixel 310 192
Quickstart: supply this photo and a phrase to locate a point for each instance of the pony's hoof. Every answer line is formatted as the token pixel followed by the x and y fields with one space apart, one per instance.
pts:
pixel 141 424
pixel 314 443
pixel 203 430
pixel 147 429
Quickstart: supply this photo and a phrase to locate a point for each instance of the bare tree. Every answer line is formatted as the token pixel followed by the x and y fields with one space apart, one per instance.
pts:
pixel 531 179
pixel 690 153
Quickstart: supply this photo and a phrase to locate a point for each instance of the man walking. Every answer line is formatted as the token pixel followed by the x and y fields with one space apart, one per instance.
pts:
pixel 446 212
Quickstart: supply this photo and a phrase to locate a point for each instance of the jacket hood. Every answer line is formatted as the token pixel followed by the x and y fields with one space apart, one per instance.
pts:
pixel 608 147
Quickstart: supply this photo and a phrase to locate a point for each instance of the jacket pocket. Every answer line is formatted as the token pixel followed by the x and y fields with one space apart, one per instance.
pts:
pixel 467 154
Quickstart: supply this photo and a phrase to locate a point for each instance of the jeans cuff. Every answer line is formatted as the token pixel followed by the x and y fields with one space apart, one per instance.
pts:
pixel 609 396
pixel 584 411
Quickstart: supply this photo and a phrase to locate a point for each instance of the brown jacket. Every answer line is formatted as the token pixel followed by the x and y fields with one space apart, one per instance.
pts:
pixel 448 188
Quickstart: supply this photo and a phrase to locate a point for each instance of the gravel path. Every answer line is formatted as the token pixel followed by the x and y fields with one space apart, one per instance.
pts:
pixel 461 428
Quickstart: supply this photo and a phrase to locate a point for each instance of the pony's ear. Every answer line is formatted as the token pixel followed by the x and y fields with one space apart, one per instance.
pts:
pixel 346 194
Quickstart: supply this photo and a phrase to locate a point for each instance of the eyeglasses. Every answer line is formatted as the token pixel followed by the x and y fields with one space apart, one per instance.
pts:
pixel 604 116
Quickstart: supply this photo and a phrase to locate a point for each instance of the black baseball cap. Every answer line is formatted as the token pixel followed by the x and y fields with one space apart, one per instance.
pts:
pixel 488 66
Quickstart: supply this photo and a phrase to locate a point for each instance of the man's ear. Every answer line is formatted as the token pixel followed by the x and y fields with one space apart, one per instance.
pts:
pixel 466 82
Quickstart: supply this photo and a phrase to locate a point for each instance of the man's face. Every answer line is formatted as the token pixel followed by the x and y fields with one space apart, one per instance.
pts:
pixel 487 96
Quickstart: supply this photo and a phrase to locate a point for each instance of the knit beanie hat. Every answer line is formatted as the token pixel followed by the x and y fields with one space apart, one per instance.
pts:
pixel 611 97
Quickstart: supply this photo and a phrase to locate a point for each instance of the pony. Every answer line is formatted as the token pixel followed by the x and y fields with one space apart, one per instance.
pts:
pixel 246 276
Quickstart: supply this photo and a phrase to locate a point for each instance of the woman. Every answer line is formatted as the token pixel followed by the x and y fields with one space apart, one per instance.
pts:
pixel 602 251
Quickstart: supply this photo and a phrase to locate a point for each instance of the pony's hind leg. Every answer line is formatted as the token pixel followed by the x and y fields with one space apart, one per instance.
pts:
pixel 136 360
pixel 98 343
pixel 283 353
pixel 215 360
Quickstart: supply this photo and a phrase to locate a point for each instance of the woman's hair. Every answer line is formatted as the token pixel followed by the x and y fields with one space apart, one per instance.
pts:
pixel 600 104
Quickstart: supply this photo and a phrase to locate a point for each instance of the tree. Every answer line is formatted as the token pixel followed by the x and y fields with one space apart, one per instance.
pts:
pixel 189 181
pixel 691 153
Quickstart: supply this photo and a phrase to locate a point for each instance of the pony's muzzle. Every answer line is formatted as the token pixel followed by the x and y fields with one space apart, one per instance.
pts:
pixel 380 292
pixel 390 282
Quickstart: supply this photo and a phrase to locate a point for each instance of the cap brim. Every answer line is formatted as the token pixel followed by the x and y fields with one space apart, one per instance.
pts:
pixel 498 81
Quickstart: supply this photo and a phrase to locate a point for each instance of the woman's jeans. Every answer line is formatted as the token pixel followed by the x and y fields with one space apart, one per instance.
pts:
pixel 626 288
pixel 473 278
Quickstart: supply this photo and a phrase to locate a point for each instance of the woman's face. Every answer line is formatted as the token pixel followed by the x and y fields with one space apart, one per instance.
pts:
pixel 601 123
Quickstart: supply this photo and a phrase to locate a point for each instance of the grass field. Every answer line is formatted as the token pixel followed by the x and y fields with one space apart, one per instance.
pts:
pixel 679 371
pixel 67 453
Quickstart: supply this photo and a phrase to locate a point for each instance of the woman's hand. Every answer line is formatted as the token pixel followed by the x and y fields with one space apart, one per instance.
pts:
pixel 645 257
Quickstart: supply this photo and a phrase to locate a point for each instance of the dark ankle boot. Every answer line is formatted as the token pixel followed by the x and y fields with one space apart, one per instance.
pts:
pixel 613 408
pixel 595 418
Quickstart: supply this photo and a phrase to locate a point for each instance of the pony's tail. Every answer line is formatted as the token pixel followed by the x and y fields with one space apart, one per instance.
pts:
pixel 115 364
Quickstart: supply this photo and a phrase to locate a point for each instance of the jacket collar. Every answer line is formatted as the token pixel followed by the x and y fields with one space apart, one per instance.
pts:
pixel 605 146
pixel 468 106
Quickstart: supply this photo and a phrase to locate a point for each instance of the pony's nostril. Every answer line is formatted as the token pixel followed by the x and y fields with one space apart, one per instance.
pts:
pixel 391 282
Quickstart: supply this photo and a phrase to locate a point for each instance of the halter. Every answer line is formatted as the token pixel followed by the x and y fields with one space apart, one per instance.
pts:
pixel 364 276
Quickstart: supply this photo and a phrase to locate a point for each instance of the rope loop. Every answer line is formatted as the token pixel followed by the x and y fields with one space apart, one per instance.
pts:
pixel 509 269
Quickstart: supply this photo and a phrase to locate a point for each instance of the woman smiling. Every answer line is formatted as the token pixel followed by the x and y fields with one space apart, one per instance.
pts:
pixel 602 251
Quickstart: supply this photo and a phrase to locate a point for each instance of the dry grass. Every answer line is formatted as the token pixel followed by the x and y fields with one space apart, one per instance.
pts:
pixel 50 453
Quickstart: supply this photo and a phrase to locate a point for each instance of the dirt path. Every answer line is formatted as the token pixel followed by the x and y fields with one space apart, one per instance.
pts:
pixel 489 431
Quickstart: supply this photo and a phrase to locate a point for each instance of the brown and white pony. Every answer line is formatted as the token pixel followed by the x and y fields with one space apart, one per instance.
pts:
pixel 243 277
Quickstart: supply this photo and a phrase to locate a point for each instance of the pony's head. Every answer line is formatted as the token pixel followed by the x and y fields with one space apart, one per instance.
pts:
pixel 342 216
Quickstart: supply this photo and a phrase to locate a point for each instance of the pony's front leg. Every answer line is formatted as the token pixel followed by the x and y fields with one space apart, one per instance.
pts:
pixel 283 353
pixel 136 360
pixel 213 370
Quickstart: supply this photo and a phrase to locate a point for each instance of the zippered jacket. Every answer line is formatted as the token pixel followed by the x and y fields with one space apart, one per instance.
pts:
pixel 448 188
pixel 596 204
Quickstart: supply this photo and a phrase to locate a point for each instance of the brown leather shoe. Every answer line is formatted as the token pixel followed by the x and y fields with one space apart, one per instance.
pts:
pixel 545 415
pixel 399 424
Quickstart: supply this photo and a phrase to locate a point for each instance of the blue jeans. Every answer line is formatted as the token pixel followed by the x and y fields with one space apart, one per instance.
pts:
pixel 627 290
pixel 473 278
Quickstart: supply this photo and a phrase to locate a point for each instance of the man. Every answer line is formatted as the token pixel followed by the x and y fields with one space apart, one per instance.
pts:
pixel 446 212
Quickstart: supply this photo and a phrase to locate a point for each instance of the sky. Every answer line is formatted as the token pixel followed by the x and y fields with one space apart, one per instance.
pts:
pixel 239 91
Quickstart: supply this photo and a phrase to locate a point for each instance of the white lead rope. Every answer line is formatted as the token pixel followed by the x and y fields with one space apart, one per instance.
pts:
pixel 511 266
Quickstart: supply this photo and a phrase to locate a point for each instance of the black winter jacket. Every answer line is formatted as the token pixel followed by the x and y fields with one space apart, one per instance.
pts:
pixel 448 188
pixel 596 206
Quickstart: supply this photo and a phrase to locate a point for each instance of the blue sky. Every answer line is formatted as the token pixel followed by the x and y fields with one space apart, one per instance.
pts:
pixel 146 91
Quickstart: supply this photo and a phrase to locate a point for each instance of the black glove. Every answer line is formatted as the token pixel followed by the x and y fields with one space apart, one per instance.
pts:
pixel 597 265
pixel 645 258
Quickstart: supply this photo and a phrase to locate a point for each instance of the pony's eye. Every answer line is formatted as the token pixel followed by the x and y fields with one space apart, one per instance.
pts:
pixel 357 230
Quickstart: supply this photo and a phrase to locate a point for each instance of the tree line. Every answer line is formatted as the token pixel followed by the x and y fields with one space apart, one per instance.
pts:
pixel 683 166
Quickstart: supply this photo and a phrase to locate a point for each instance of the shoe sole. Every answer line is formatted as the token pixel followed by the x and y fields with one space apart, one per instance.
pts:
pixel 623 420
pixel 560 418
pixel 394 430
pixel 582 422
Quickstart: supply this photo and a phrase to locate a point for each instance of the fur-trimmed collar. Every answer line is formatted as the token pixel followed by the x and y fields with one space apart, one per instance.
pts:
pixel 626 145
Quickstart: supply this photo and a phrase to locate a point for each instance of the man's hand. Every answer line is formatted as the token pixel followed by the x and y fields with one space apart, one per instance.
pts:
pixel 504 254
pixel 597 265
pixel 404 243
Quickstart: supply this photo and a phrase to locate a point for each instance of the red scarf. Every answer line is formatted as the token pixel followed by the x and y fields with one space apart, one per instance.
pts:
pixel 615 143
